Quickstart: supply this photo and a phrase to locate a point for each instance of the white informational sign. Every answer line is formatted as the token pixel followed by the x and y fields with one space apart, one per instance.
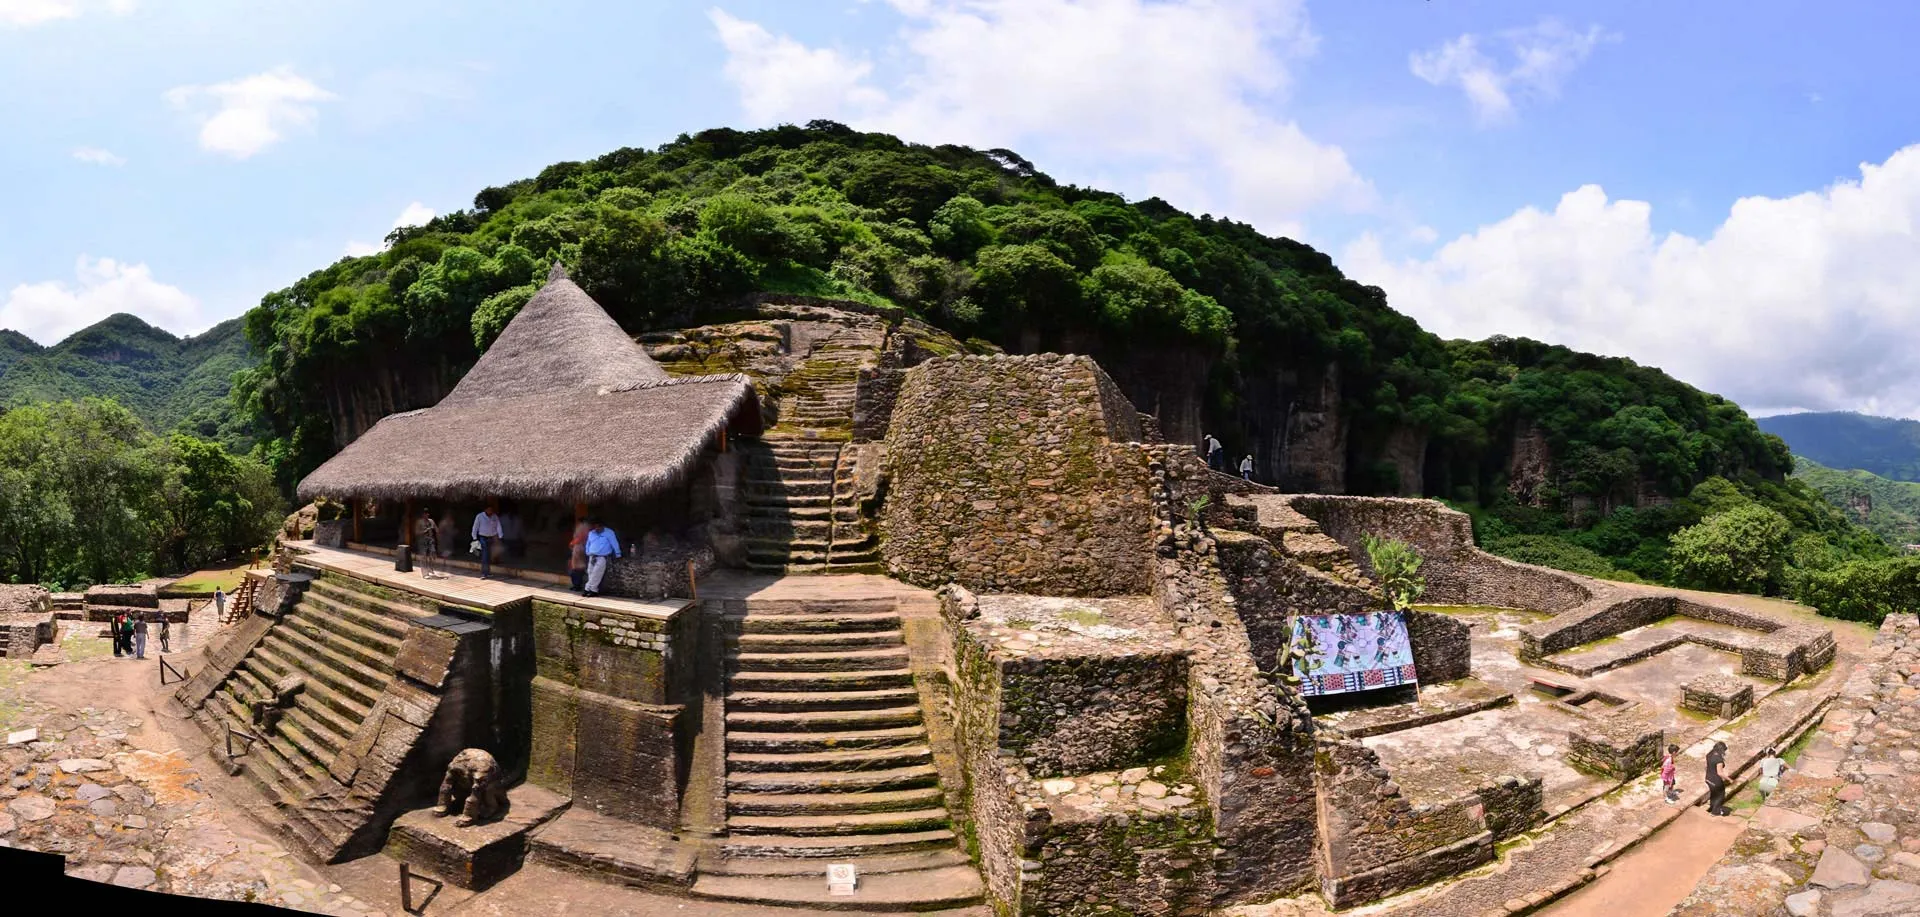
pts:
pixel 841 878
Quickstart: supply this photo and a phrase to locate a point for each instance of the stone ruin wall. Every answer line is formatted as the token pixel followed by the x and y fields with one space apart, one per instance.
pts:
pixel 1007 475
pixel 26 620
pixel 1080 715
pixel 1374 842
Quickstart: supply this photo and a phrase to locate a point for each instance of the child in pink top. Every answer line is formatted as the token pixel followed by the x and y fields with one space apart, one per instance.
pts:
pixel 1667 773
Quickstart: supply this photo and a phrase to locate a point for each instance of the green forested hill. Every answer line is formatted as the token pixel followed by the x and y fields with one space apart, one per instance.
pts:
pixel 168 382
pixel 1886 446
pixel 1892 507
pixel 1205 322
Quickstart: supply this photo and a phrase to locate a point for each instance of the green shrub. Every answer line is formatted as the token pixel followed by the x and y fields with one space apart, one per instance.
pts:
pixel 1397 566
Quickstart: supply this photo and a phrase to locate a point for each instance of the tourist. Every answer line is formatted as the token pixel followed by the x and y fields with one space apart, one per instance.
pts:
pixel 1771 764
pixel 602 546
pixel 512 540
pixel 1716 781
pixel 126 634
pixel 1216 454
pixel 428 537
pixel 577 556
pixel 113 631
pixel 165 633
pixel 1246 468
pixel 486 532
pixel 449 532
pixel 140 636
pixel 219 604
pixel 1667 775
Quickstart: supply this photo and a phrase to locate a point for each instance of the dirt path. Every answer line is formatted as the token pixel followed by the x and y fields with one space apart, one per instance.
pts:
pixel 1653 877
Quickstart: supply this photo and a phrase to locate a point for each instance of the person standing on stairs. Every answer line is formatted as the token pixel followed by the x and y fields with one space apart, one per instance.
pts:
pixel 486 531
pixel 1716 781
pixel 1216 454
pixel 602 546
pixel 1246 468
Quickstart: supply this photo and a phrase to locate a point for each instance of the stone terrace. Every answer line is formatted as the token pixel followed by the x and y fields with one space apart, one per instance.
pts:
pixel 1841 837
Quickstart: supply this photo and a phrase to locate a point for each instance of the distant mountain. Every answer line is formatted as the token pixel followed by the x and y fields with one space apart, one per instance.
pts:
pixel 1886 446
pixel 170 382
pixel 1891 509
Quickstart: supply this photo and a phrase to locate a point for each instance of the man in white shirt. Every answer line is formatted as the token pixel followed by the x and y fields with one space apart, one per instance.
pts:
pixel 486 530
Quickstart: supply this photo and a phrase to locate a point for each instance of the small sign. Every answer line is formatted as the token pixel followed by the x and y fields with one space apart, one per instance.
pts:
pixel 841 878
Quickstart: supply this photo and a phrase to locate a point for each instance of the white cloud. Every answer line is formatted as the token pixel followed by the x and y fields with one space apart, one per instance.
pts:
pixel 1806 302
pixel 22 14
pixel 49 311
pixel 415 214
pixel 1180 92
pixel 1541 58
pixel 242 117
pixel 98 157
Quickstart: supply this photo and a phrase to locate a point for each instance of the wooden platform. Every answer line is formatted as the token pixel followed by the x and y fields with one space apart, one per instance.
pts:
pixel 472 591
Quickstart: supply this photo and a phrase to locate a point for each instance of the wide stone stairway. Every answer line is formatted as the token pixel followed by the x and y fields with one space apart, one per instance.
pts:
pixel 343 641
pixel 828 760
pixel 803 511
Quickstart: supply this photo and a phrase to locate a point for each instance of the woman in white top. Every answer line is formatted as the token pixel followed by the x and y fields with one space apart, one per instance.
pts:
pixel 1771 765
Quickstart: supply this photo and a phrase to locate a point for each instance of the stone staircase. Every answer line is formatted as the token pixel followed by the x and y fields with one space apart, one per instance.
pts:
pixel 828 760
pixel 343 640
pixel 803 511
pixel 815 401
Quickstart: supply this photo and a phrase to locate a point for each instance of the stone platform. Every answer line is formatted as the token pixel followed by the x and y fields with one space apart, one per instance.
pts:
pixel 471 591
pixel 477 856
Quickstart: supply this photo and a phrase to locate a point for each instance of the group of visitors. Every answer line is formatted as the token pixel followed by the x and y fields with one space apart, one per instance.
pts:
pixel 496 534
pixel 128 630
pixel 592 547
pixel 1771 767
pixel 1217 457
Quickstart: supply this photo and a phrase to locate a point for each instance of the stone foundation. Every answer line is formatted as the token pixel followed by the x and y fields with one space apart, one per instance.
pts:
pixel 26 621
pixel 1717 695
pixel 477 856
pixel 1618 748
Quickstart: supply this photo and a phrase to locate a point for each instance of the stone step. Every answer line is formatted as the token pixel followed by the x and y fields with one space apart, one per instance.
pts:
pixel 817 871
pixel 781 742
pixel 852 759
pixel 791 804
pixel 330 633
pixel 836 825
pixel 817 643
pixel 887 658
pixel 839 567
pixel 823 720
pixel 796 701
pixel 370 628
pixel 286 659
pixel 821 513
pixel 281 781
pixel 371 676
pixel 822 604
pixel 763 498
pixel 816 623
pixel 343 714
pixel 367 610
pixel 928 890
pixel 852 845
pixel 330 740
pixel 755 488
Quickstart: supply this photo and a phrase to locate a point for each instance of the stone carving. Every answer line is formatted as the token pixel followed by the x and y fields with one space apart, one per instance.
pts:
pixel 268 710
pixel 473 787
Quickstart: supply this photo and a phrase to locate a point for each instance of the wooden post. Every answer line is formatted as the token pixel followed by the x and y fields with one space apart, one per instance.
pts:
pixel 353 506
pixel 406 524
pixel 723 440
pixel 693 589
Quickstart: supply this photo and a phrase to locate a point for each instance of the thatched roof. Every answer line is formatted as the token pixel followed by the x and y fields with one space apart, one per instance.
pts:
pixel 563 406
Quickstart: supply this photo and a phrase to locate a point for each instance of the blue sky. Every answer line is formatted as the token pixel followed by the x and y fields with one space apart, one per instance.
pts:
pixel 1563 170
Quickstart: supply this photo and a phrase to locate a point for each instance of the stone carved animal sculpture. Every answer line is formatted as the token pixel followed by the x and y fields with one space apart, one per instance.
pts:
pixel 473 787
pixel 268 710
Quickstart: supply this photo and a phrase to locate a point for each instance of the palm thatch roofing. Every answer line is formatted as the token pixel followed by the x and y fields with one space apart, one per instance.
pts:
pixel 564 406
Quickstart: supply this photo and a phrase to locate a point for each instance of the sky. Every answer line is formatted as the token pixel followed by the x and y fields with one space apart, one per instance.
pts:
pixel 1729 191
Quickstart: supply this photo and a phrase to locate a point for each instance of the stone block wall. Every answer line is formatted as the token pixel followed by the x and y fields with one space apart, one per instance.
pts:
pixel 1512 805
pixel 609 699
pixel 1717 695
pixel 1005 476
pixel 875 392
pixel 1091 713
pixel 1270 589
pixel 1620 748
pixel 1590 623
pixel 26 620
pixel 1374 842
pixel 1442 647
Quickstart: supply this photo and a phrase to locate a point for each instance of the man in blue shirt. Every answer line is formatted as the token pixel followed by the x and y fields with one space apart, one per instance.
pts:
pixel 602 545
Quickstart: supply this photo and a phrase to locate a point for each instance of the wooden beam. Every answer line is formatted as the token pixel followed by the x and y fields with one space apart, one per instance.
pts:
pixel 406 524
pixel 353 506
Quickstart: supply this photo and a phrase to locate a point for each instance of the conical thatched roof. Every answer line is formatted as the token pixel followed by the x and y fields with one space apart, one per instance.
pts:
pixel 561 341
pixel 563 406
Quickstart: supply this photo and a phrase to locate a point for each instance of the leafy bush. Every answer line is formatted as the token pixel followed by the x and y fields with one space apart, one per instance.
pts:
pixel 1864 590
pixel 1551 551
pixel 1743 549
pixel 1397 566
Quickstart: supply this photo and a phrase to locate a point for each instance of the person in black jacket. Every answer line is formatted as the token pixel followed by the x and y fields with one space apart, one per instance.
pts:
pixel 1716 781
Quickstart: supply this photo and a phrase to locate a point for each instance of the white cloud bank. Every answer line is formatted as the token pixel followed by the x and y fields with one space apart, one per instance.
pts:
pixel 98 157
pixel 21 14
pixel 415 214
pixel 49 311
pixel 1808 302
pixel 242 117
pixel 1182 92
pixel 1541 58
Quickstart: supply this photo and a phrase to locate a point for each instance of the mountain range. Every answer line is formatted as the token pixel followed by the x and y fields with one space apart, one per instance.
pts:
pixel 1891 509
pixel 171 382
pixel 1885 446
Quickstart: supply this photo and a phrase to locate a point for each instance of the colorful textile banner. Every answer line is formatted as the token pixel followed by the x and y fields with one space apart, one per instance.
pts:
pixel 1342 653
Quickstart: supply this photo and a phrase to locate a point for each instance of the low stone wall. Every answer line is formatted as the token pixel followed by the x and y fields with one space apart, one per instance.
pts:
pixel 1006 475
pixel 1591 622
pixel 1270 589
pixel 26 620
pixel 1716 695
pixel 659 570
pixel 1442 647
pixel 1076 716
pixel 609 708
pixel 1374 842
pixel 124 596
pixel 1512 805
pixel 1618 748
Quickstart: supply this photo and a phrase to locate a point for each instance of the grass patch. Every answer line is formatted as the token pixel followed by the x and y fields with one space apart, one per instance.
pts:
pixel 1084 617
pixel 206 581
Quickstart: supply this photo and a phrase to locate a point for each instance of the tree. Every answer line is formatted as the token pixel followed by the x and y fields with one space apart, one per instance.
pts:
pixel 1397 566
pixel 1744 549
